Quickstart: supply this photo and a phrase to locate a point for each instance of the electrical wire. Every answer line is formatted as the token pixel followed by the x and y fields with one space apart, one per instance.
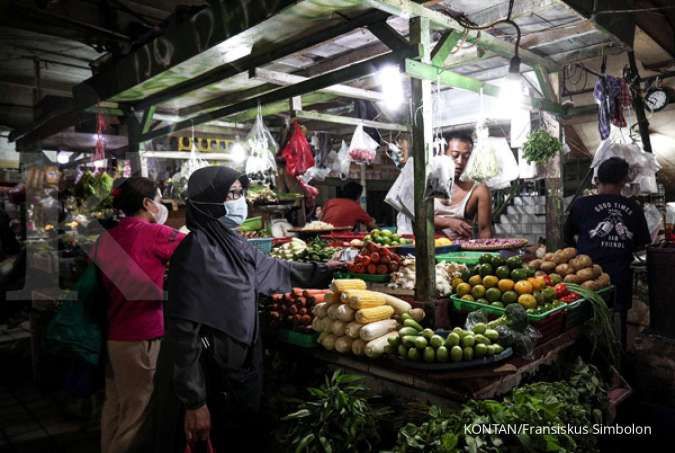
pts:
pixel 630 11
pixel 466 23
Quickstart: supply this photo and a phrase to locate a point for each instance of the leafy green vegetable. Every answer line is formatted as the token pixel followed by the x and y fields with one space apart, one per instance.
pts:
pixel 541 146
pixel 339 419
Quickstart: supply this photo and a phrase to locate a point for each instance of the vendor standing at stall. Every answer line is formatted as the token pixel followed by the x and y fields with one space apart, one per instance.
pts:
pixel 346 210
pixel 609 227
pixel 209 379
pixel 469 202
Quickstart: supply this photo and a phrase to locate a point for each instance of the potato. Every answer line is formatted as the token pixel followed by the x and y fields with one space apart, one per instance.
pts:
pixel 563 269
pixel 547 266
pixel 540 274
pixel 590 284
pixel 574 264
pixel 584 261
pixel 585 274
pixel 569 252
pixel 548 256
pixel 597 271
pixel 603 281
pixel 535 264
pixel 571 278
pixel 558 258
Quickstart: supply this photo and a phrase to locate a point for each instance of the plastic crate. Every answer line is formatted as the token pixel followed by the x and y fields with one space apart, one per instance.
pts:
pixel 301 339
pixel 552 326
pixel 263 244
pixel 372 278
pixel 468 305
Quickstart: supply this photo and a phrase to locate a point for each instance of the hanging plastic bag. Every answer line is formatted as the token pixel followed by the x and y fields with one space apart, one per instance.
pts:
pixel 507 162
pixel 342 162
pixel 654 220
pixel 320 174
pixel 298 158
pixel 401 194
pixel 483 163
pixel 440 178
pixel 261 166
pixel 362 148
pixel 394 154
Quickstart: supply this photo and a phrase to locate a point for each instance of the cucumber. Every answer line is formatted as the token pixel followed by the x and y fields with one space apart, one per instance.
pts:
pixel 421 343
pixel 429 354
pixel 437 341
pixel 409 340
pixel 412 323
pixel 405 316
pixel 468 353
pixel 408 331
pixel 456 354
pixel 413 354
pixel 492 334
pixel 393 341
pixel 442 354
pixel 497 348
pixel 482 339
pixel 452 340
pixel 402 351
pixel 427 333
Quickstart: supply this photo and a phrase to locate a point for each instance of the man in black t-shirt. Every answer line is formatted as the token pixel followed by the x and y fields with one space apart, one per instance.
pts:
pixel 609 228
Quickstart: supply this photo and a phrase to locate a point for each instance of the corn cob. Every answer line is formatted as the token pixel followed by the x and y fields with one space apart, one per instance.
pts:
pixel 344 284
pixel 367 315
pixel 358 299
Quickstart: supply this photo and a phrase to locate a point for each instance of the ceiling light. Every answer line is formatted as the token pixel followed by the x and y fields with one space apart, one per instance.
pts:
pixel 389 78
pixel 237 153
pixel 63 157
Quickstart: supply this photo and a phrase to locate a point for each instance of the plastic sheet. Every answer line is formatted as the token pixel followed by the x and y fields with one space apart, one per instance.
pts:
pixel 654 220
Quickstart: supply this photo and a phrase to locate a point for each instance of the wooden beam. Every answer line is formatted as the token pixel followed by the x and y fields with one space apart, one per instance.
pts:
pixel 392 39
pixel 422 138
pixel 146 122
pixel 337 119
pixel 545 84
pixel 344 75
pixel 407 8
pixel 429 72
pixel 285 79
pixel 278 107
pixel 444 46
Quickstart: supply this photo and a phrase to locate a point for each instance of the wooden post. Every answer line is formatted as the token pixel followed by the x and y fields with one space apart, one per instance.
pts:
pixel 421 151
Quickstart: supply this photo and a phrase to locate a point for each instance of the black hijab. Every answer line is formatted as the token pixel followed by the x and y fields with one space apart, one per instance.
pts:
pixel 215 274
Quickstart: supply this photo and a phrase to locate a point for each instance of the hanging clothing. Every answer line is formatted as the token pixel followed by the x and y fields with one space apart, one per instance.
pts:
pixel 612 95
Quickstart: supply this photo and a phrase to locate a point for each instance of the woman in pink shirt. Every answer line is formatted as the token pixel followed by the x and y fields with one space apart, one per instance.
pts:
pixel 132 259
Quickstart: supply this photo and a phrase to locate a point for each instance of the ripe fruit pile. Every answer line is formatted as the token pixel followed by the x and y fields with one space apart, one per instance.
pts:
pixel 417 344
pixel 386 238
pixel 375 259
pixel 497 281
pixel 572 268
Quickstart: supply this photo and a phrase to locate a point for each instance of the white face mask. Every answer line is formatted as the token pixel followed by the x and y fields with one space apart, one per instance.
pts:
pixel 236 212
pixel 162 213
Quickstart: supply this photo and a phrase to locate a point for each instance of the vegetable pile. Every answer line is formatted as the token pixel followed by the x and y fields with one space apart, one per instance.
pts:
pixel 294 310
pixel 375 259
pixel 290 251
pixel 417 344
pixel 541 146
pixel 353 320
pixel 298 250
pixel 318 251
pixel 260 194
pixel 572 268
pixel 404 278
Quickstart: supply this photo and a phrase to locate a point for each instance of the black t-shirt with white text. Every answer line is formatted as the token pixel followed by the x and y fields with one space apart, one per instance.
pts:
pixel 608 229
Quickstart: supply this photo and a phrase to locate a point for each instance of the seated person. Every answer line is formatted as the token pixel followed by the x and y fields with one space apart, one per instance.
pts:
pixel 469 202
pixel 346 211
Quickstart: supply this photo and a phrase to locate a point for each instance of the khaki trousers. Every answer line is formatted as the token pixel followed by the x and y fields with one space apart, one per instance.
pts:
pixel 128 386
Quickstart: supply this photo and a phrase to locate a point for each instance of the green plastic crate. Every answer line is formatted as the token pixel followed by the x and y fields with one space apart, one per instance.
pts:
pixel 463 257
pixel 468 305
pixel 301 339
pixel 372 278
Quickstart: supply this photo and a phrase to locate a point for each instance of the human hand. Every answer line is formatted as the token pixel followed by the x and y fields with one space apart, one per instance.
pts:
pixel 460 226
pixel 197 424
pixel 336 265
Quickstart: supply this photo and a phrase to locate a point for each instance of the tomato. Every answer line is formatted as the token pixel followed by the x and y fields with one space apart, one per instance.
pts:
pixel 560 290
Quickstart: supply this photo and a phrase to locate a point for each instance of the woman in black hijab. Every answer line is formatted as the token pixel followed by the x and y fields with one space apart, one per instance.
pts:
pixel 210 365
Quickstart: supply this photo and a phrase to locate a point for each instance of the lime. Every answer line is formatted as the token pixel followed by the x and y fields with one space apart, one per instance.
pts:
pixel 486 258
pixel 483 301
pixel 475 280
pixel 490 281
pixel 549 294
pixel 498 260
pixel 514 262
pixel 509 297
pixel 497 304
pixel 485 269
pixel 452 340
pixel 503 272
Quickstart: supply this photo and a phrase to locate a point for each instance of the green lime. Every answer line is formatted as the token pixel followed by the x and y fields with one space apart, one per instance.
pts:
pixel 498 260
pixel 483 301
pixel 485 269
pixel 452 340
pixel 548 293
pixel 486 258
pixel 478 291
pixel 509 297
pixel 497 304
pixel 514 262
pixel 503 272
pixel 493 294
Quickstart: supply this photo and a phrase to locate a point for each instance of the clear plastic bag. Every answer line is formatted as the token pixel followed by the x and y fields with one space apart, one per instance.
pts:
pixel 483 163
pixel 401 195
pixel 509 170
pixel 654 220
pixel 343 162
pixel 315 173
pixel 643 165
pixel 261 166
pixel 440 178
pixel 362 148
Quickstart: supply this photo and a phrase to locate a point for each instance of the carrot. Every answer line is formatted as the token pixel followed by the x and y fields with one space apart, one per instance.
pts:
pixel 319 298
pixel 297 291
pixel 277 297
pixel 313 292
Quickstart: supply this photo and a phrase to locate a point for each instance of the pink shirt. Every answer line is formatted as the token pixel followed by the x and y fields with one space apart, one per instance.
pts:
pixel 132 258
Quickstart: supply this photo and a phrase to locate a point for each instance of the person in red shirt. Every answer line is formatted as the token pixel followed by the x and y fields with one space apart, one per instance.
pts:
pixel 132 259
pixel 346 211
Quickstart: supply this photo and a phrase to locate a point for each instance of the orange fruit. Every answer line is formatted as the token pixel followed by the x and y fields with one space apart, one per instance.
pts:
pixel 505 284
pixel 524 287
pixel 527 301
pixel 468 297
pixel 538 283
pixel 475 280
pixel 490 281
pixel 462 289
